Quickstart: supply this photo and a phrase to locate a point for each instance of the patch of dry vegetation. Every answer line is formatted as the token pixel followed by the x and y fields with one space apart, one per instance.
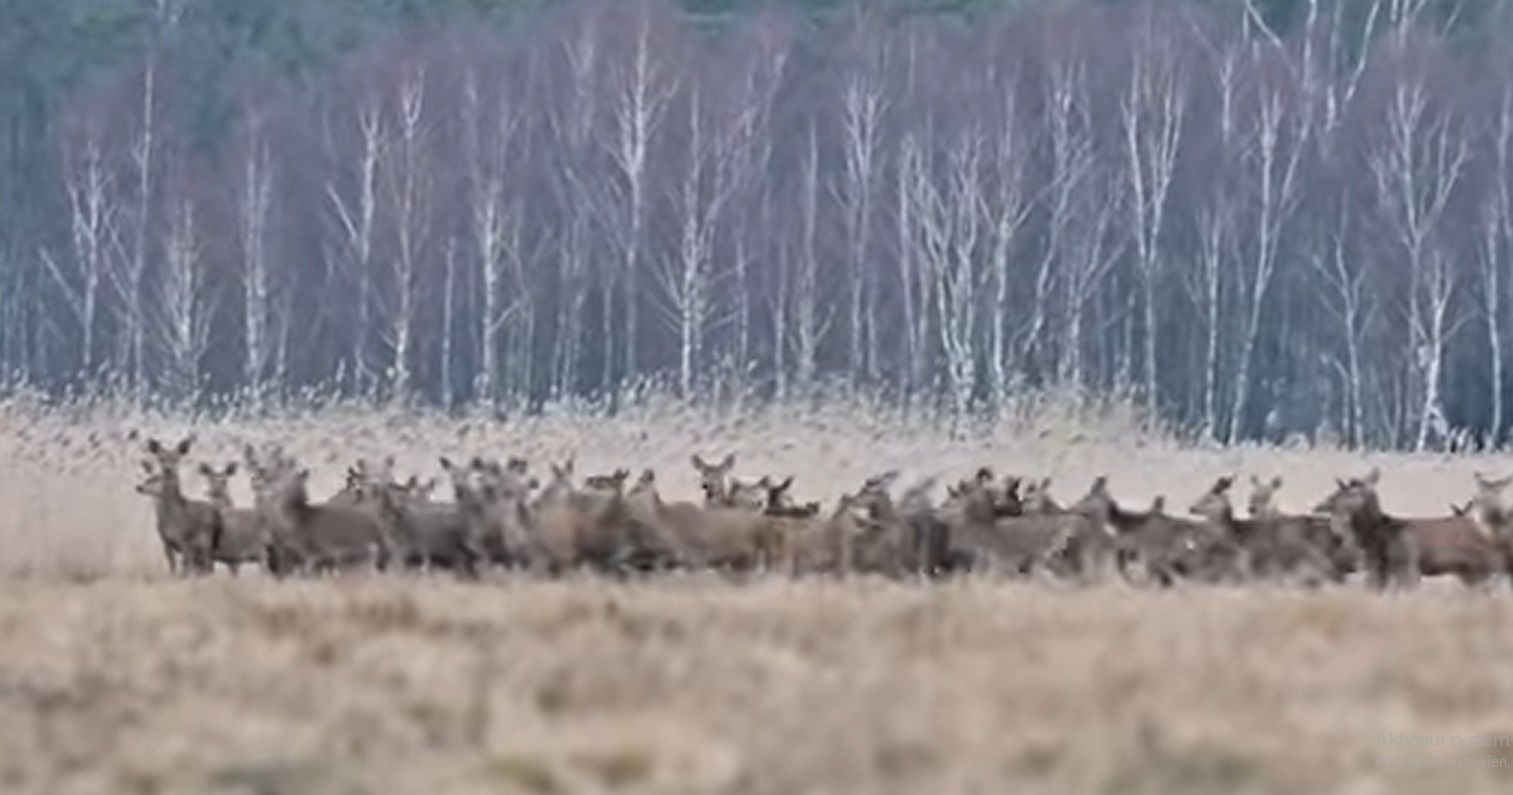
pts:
pixel 116 679
pixel 691 685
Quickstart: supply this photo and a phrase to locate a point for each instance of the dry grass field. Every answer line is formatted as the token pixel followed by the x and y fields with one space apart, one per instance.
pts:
pixel 115 678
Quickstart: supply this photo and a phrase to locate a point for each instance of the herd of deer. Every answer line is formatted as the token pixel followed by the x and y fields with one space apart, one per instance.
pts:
pixel 501 516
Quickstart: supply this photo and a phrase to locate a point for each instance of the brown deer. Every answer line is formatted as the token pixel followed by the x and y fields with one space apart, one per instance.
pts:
pixel 1018 545
pixel 1273 550
pixel 825 546
pixel 1165 548
pixel 1340 548
pixel 492 500
pixel 423 534
pixel 1489 508
pixel 713 479
pixel 327 537
pixel 560 488
pixel 572 528
pixel 244 533
pixel 1038 499
pixel 188 528
pixel 780 502
pixel 1398 551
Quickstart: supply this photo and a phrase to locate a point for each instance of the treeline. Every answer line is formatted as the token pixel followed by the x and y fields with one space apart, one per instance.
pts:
pixel 1257 224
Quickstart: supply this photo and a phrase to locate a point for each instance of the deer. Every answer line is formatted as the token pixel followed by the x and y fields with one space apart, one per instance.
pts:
pixel 1273 550
pixel 1341 550
pixel 329 536
pixel 1488 507
pixel 1167 548
pixel 1398 551
pixel 1038 500
pixel 728 538
pixel 187 528
pixel 244 533
pixel 560 487
pixel 714 479
pixel 364 482
pixel 659 529
pixel 492 501
pixel 424 534
pixel 1016 545
pixel 780 502
pixel 572 528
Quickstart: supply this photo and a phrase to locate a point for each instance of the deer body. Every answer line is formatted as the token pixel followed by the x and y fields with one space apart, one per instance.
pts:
pixel 326 537
pixel 244 533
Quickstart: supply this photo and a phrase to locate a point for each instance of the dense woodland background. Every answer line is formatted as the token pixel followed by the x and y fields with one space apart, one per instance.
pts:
pixel 1257 219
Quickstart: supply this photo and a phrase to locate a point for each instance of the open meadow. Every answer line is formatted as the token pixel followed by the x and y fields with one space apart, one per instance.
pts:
pixel 117 678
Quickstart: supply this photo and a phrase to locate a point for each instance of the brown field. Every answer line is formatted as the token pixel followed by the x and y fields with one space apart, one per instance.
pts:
pixel 116 679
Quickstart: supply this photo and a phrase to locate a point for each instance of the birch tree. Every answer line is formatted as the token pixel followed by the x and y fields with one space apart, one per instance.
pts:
pixel 493 138
pixel 409 204
pixel 1270 161
pixel 808 321
pixel 1496 231
pixel 862 106
pixel 643 88
pixel 128 271
pixel 260 293
pixel 185 308
pixel 1417 163
pixel 572 125
pixel 93 232
pixel 1152 112
pixel 356 211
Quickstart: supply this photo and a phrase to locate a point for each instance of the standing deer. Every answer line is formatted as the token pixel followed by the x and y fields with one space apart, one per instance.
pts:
pixel 1167 548
pixel 1398 551
pixel 330 536
pixel 187 528
pixel 244 533
pixel 1273 550
pixel 492 502
pixel 1339 547
pixel 424 534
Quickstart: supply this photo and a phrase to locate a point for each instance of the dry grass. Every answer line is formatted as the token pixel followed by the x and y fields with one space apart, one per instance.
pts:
pixel 115 680
pixel 696 686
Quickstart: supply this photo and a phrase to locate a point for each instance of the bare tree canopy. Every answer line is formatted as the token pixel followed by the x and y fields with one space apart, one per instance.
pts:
pixel 1255 219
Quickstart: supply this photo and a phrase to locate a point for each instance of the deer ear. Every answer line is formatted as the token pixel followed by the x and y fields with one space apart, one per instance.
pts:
pixel 206 470
pixel 729 462
pixel 154 446
pixel 1374 477
pixel 147 466
pixel 186 444
pixel 698 463
pixel 231 469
